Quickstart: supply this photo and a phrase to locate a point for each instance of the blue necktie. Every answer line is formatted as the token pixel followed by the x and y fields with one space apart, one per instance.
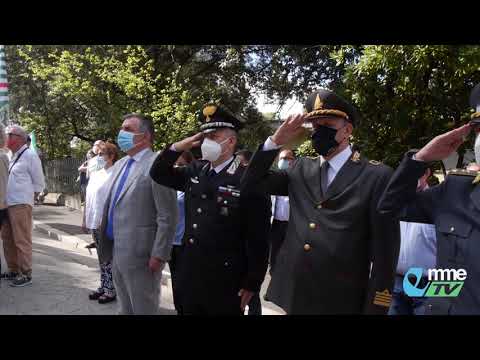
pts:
pixel 121 183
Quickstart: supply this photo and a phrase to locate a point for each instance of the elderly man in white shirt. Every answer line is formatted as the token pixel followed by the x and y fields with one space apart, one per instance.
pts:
pixel 25 181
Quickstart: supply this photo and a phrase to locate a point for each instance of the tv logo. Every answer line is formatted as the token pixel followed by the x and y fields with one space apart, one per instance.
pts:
pixel 441 282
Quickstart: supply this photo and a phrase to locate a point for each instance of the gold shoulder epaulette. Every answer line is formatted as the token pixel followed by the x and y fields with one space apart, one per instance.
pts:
pixel 462 172
pixel 374 162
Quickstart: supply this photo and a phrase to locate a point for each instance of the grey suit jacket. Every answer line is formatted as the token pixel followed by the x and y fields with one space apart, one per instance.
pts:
pixel 145 216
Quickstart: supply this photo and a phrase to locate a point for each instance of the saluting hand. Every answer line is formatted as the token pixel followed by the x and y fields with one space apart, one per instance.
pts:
pixel 246 296
pixel 443 145
pixel 188 143
pixel 289 130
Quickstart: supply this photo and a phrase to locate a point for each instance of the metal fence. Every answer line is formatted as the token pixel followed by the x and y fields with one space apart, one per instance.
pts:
pixel 61 175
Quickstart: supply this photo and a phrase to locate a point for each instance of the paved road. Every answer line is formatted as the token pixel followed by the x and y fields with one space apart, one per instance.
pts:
pixel 63 276
pixel 62 279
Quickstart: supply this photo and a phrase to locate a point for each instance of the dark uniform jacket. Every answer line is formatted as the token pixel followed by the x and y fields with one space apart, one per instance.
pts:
pixel 226 231
pixel 323 266
pixel 454 208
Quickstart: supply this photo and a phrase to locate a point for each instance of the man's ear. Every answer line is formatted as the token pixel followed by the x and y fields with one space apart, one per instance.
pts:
pixel 349 128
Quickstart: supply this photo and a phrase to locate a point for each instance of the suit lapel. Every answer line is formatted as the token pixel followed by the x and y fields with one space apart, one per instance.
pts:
pixel 313 177
pixel 345 176
pixel 137 171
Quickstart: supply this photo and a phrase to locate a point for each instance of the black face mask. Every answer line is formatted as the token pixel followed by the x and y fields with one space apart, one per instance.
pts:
pixel 323 140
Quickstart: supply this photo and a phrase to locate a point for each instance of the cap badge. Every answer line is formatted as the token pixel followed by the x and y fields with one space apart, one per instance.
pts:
pixel 477 179
pixel 208 111
pixel 318 103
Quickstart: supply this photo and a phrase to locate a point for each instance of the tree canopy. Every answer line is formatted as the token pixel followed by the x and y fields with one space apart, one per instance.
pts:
pixel 406 94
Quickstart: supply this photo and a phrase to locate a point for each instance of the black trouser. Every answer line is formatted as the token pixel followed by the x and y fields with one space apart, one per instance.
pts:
pixel 173 264
pixel 255 305
pixel 276 238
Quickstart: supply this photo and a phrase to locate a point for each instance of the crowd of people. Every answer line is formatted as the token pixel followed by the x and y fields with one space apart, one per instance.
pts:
pixel 338 233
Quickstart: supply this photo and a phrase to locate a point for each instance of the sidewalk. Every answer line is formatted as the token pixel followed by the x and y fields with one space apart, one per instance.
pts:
pixel 62 278
pixel 64 224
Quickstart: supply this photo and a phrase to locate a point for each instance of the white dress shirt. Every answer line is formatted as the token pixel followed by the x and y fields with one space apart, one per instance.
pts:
pixel 335 163
pixel 282 208
pixel 222 166
pixel 26 177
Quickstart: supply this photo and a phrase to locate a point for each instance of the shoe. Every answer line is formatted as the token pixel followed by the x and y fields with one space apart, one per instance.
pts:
pixel 95 295
pixel 9 275
pixel 21 280
pixel 104 299
pixel 91 246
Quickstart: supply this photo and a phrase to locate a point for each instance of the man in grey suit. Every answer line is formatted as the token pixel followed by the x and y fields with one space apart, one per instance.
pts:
pixel 138 222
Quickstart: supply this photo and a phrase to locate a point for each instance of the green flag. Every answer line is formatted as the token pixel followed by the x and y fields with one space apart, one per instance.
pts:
pixel 33 145
pixel 3 88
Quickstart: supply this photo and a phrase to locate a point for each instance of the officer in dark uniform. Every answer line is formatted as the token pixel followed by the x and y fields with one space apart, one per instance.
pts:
pixel 226 229
pixel 339 255
pixel 453 206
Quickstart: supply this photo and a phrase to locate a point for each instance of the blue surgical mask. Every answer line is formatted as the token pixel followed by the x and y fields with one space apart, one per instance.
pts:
pixel 125 140
pixel 283 164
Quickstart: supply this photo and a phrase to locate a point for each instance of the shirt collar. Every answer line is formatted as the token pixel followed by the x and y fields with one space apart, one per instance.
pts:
pixel 21 149
pixel 340 159
pixel 222 165
pixel 139 155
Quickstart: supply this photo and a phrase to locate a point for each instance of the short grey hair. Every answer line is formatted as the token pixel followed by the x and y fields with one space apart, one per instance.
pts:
pixel 146 123
pixel 18 130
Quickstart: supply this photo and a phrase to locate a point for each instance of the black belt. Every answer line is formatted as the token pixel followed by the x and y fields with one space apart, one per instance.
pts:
pixel 280 221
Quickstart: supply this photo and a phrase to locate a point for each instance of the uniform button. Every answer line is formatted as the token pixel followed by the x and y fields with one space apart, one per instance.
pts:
pixel 307 247
pixel 204 196
pixel 195 226
pixel 312 225
pixel 452 229
pixel 319 206
pixel 199 210
pixel 191 241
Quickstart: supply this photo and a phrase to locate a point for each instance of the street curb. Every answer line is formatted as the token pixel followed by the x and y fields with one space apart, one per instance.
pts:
pixel 75 241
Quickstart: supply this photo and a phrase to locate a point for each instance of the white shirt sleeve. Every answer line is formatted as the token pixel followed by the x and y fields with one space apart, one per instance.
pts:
pixel 415 158
pixel 36 172
pixel 270 145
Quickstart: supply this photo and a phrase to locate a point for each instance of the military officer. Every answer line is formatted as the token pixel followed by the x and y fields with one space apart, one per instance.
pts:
pixel 226 229
pixel 453 206
pixel 339 255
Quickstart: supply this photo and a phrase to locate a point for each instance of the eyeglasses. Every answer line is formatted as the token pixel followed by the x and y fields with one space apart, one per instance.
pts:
pixel 12 134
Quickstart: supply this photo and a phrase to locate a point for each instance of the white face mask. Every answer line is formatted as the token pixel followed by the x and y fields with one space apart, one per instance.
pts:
pixel 477 149
pixel 211 150
pixel 283 164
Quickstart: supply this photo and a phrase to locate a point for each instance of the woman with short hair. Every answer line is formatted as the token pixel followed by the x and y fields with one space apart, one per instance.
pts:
pixel 94 205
